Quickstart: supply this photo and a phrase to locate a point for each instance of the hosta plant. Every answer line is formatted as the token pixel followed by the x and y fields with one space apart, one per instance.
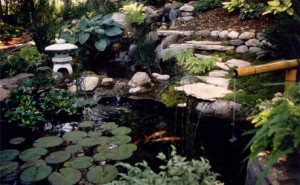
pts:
pixel 134 13
pixel 279 6
pixel 233 5
pixel 99 30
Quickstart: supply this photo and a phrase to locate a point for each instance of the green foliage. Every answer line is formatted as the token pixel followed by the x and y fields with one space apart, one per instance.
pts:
pixel 28 59
pixel 171 97
pixel 279 6
pixel 135 19
pixel 284 38
pixel 177 170
pixel 194 64
pixel 8 32
pixel 74 11
pixel 99 30
pixel 233 5
pixel 250 11
pixel 203 5
pixel 278 128
pixel 103 7
pixel 243 98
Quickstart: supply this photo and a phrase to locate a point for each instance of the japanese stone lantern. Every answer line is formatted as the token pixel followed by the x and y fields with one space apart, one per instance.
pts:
pixel 62 58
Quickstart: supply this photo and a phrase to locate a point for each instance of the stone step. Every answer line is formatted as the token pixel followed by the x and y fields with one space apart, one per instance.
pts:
pixel 174 32
pixel 206 57
pixel 203 47
pixel 217 81
pixel 218 73
pixel 204 42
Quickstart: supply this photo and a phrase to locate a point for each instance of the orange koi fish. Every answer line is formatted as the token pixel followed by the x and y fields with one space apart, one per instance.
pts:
pixel 137 142
pixel 167 139
pixel 155 134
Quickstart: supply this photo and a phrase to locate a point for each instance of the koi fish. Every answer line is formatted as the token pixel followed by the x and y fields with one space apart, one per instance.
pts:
pixel 137 142
pixel 155 134
pixel 167 139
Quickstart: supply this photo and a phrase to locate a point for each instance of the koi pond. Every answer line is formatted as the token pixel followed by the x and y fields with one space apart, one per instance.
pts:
pixel 136 130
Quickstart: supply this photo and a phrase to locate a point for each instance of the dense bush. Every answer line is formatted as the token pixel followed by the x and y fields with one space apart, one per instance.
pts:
pixel 203 5
pixel 251 11
pixel 28 59
pixel 103 7
pixel 8 32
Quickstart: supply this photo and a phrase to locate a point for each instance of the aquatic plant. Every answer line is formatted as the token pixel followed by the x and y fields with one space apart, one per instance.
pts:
pixel 35 173
pixel 32 154
pixel 17 140
pixel 65 176
pixel 102 174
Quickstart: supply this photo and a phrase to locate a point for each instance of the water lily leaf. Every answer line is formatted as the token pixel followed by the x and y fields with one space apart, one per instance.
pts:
pixel 35 173
pixel 8 155
pixel 65 177
pixel 95 134
pixel 74 135
pixel 119 140
pixel 73 149
pixel 88 142
pixel 32 163
pixel 86 124
pixel 100 156
pixel 109 126
pixel 102 174
pixel 82 162
pixel 113 31
pixel 104 148
pixel 7 168
pixel 17 140
pixel 121 131
pixel 103 140
pixel 57 157
pixel 128 147
pixel 47 142
pixel 32 154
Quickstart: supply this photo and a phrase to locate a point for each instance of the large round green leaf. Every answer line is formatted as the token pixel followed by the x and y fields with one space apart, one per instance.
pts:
pixel 73 149
pixel 57 157
pixel 121 131
pixel 7 168
pixel 86 124
pixel 122 152
pixel 74 135
pixel 47 142
pixel 119 140
pixel 8 155
pixel 101 44
pixel 103 140
pixel 32 163
pixel 128 147
pixel 35 173
pixel 113 31
pixel 32 154
pixel 67 176
pixel 100 156
pixel 87 142
pixel 82 162
pixel 109 126
pixel 94 134
pixel 17 140
pixel 104 148
pixel 102 174
pixel 83 37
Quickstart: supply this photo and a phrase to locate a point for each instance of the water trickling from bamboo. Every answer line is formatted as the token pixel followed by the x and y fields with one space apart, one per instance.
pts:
pixel 233 137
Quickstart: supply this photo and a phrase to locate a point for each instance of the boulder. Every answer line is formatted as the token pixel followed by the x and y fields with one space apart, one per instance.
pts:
pixel 236 42
pixel 218 108
pixel 260 36
pixel 153 36
pixel 176 5
pixel 222 65
pixel 242 49
pixel 204 33
pixel 89 83
pixel 252 42
pixel 237 63
pixel 187 8
pixel 163 77
pixel 233 35
pixel 174 14
pixel 247 35
pixel 107 81
pixel 139 79
pixel 255 49
pixel 217 73
pixel 223 34
pixel 215 33
pixel 72 89
pixel 135 90
pixel 203 91
pixel 155 75
pixel 217 81
pixel 167 41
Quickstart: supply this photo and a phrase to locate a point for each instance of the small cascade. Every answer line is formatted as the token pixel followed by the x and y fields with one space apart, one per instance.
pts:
pixel 233 137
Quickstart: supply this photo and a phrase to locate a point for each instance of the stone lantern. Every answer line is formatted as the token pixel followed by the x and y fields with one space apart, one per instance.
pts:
pixel 62 58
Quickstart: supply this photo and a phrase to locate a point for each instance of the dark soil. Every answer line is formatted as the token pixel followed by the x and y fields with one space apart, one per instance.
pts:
pixel 220 19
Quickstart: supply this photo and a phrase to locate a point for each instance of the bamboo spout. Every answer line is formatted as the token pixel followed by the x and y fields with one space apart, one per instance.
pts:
pixel 265 68
pixel 288 65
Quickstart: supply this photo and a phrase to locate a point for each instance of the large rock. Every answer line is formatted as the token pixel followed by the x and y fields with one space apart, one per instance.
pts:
pixel 187 80
pixel 204 42
pixel 139 79
pixel 4 94
pixel 203 91
pixel 217 81
pixel 89 83
pixel 135 90
pixel 247 35
pixel 237 63
pixel 176 5
pixel 242 49
pixel 222 65
pixel 223 34
pixel 174 14
pixel 204 33
pixel 186 14
pixel 214 33
pixel 187 8
pixel 187 18
pixel 120 19
pixel 219 108
pixel 255 50
pixel 236 42
pixel 233 35
pixel 163 77
pixel 174 32
pixel 252 42
pixel 107 81
pixel 167 41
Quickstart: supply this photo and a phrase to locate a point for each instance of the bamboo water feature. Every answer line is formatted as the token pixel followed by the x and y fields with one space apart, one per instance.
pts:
pixel 289 65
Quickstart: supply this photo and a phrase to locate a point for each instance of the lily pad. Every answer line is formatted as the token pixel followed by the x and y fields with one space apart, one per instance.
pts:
pixel 58 157
pixel 47 142
pixel 17 140
pixel 103 140
pixel 121 131
pixel 35 173
pixel 95 134
pixel 100 156
pixel 74 135
pixel 8 155
pixel 65 177
pixel 87 142
pixel 104 148
pixel 109 126
pixel 128 147
pixel 32 154
pixel 119 140
pixel 73 149
pixel 32 163
pixel 102 174
pixel 7 168
pixel 86 124
pixel 116 154
pixel 82 162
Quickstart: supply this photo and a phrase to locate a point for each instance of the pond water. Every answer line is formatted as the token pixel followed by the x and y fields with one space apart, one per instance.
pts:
pixel 206 137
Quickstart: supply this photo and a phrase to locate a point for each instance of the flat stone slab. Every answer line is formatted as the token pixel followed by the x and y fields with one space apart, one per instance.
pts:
pixel 206 57
pixel 218 73
pixel 238 63
pixel 174 32
pixel 223 66
pixel 220 108
pixel 203 47
pixel 217 81
pixel 204 42
pixel 203 91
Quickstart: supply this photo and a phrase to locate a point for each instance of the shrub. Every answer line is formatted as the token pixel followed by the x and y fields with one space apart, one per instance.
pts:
pixel 8 32
pixel 203 5
pixel 134 14
pixel 74 11
pixel 233 5
pixel 250 11
pixel 103 7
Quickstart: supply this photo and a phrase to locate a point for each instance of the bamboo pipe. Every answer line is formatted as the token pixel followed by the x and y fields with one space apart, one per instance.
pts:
pixel 265 68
